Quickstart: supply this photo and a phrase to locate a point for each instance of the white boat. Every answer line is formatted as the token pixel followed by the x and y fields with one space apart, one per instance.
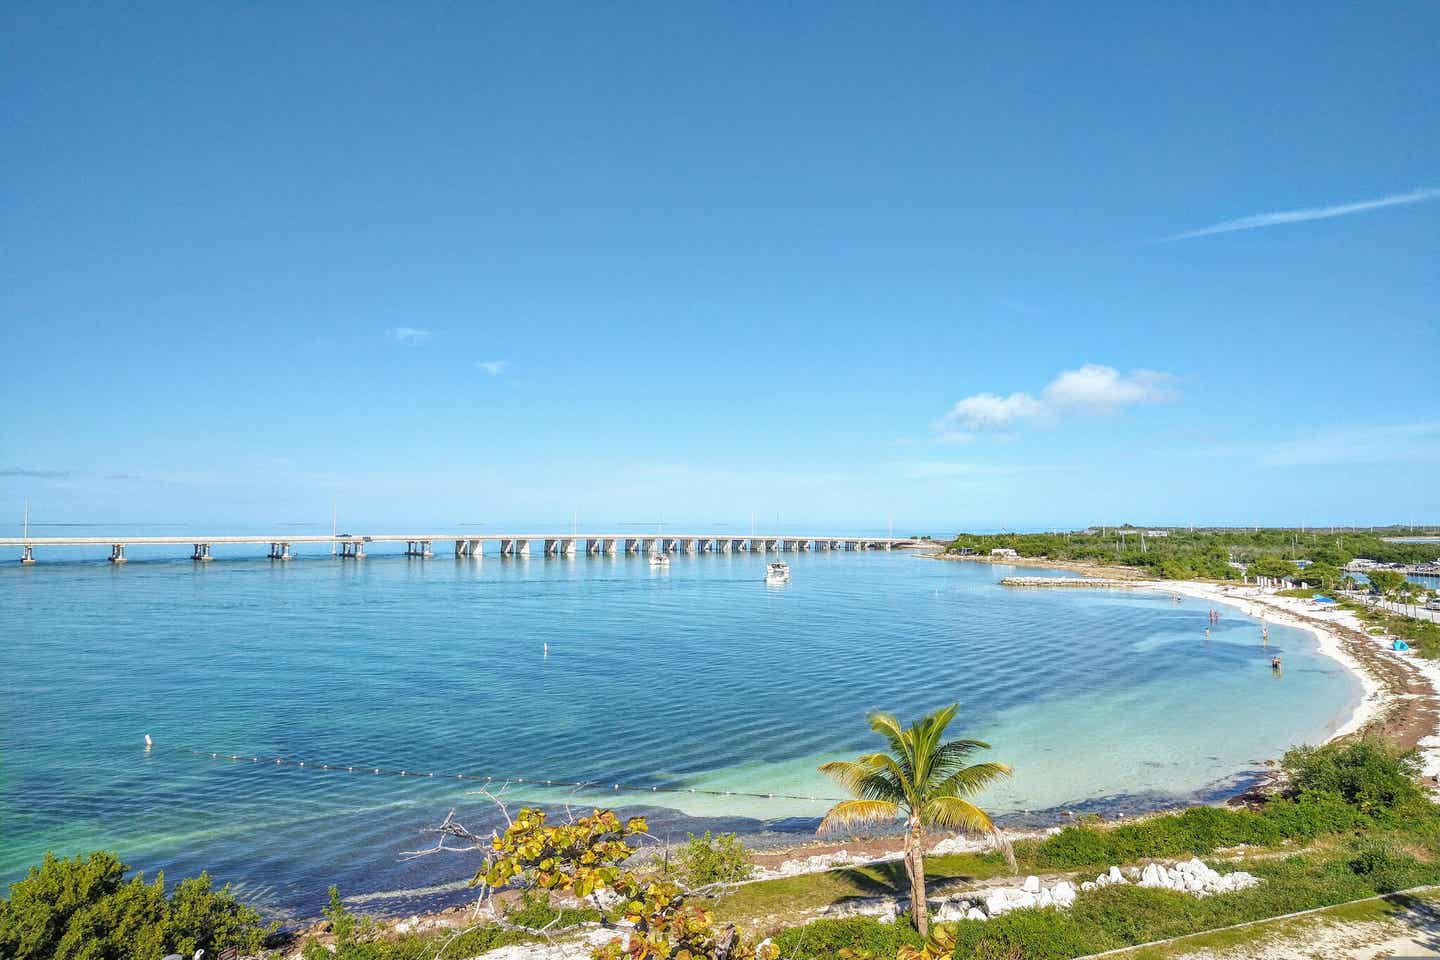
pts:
pixel 659 560
pixel 777 572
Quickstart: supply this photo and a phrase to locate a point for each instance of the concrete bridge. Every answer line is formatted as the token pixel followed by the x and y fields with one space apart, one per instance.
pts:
pixel 467 545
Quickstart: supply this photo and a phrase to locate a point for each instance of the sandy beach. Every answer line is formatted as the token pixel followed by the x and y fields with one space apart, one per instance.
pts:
pixel 1400 701
pixel 1402 690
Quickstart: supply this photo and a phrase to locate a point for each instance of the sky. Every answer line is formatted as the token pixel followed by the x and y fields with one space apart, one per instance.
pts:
pixel 949 266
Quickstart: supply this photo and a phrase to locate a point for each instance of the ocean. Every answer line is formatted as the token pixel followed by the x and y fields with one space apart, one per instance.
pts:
pixel 700 677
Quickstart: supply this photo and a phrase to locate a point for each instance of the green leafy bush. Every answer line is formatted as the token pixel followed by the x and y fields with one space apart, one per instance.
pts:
pixel 84 907
pixel 1311 817
pixel 711 859
pixel 1368 774
pixel 536 912
pixel 1196 831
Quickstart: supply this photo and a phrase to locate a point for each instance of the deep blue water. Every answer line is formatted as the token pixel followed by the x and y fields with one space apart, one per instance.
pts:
pixel 700 676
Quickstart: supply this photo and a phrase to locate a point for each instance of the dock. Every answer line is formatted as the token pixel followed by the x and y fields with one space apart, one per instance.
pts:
pixel 472 546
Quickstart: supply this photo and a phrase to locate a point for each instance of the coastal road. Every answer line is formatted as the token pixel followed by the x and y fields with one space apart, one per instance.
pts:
pixel 1418 612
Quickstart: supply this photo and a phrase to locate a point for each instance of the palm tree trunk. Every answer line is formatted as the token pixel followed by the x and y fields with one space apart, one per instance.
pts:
pixel 915 866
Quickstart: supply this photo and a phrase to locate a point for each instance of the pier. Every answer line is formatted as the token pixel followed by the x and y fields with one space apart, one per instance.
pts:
pixel 468 546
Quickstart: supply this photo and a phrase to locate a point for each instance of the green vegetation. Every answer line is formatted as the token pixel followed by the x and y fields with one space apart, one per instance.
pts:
pixel 84 908
pixel 1109 918
pixel 1386 582
pixel 924 779
pixel 1183 554
pixel 1423 636
pixel 1352 822
pixel 708 859
pixel 444 945
pixel 359 937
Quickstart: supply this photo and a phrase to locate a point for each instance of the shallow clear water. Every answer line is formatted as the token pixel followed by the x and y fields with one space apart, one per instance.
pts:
pixel 702 676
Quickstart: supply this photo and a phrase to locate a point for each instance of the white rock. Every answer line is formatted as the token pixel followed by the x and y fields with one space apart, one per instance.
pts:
pixel 1031 884
pixel 1063 893
pixel 1045 899
pixel 1116 876
pixel 1023 901
pixel 959 845
pixel 997 903
pixel 975 913
pixel 1087 884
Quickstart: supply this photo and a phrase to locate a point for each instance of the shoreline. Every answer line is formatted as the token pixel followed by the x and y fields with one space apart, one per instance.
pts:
pixel 1399 700
pixel 1402 691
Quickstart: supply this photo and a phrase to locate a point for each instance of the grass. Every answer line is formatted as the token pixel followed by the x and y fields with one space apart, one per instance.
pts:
pixel 1116 917
pixel 789 896
pixel 1084 848
pixel 1359 827
pixel 1423 636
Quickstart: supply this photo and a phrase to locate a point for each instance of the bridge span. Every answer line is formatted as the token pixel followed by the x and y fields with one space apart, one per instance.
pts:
pixel 472 546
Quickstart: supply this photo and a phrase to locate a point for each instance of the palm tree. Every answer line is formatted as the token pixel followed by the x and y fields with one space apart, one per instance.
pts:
pixel 924 779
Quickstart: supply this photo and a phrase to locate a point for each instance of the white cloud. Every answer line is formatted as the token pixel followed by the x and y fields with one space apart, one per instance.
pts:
pixel 1279 217
pixel 407 334
pixel 987 412
pixel 1092 388
pixel 492 367
pixel 1100 388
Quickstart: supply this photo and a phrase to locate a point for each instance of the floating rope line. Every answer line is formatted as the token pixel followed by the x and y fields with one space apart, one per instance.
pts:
pixel 420 774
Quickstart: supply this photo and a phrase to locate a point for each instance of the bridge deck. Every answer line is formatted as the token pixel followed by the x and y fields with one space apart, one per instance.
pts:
pixel 130 541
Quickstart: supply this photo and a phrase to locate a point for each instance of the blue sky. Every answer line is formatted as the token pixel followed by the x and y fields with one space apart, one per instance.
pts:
pixel 504 263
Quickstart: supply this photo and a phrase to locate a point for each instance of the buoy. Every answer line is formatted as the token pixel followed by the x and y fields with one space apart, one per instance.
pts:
pixel 148 742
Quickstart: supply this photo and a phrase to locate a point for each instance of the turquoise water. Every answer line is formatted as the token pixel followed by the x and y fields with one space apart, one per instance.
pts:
pixel 702 676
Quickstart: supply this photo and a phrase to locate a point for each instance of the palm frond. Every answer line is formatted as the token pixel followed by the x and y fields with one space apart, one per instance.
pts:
pixel 853 813
pixel 886 725
pixel 1002 842
pixel 971 780
pixel 955 813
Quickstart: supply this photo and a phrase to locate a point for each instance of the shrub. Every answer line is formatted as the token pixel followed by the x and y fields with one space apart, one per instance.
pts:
pixel 1073 847
pixel 824 939
pixel 1368 774
pixel 1195 831
pixel 712 859
pixel 1312 816
pixel 84 908
pixel 536 912
pixel 348 928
